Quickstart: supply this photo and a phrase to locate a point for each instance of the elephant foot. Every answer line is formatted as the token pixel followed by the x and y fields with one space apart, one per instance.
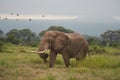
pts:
pixel 51 66
pixel 67 65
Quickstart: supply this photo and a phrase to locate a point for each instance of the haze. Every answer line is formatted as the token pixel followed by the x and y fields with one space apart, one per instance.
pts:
pixel 90 17
pixel 98 8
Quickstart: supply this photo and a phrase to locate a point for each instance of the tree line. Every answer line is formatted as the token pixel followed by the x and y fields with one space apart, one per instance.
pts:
pixel 29 38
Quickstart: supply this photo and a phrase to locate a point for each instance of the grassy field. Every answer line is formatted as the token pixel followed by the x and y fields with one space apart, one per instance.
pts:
pixel 16 63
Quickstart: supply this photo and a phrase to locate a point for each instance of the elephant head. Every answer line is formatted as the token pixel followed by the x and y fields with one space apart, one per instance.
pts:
pixel 53 41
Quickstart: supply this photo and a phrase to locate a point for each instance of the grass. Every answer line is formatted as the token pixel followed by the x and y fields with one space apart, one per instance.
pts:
pixel 16 63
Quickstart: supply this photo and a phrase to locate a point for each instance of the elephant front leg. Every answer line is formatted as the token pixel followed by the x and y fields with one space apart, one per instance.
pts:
pixel 52 59
pixel 66 60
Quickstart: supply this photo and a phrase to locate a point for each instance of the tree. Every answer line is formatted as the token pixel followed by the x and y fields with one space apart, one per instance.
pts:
pixel 111 37
pixel 15 33
pixel 13 39
pixel 1 40
pixel 29 37
pixel 14 36
pixel 24 36
pixel 1 45
pixel 1 33
pixel 58 28
pixel 94 41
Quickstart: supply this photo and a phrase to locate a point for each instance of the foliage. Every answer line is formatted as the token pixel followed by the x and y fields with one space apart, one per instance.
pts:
pixel 111 35
pixel 2 40
pixel 24 36
pixel 58 28
pixel 1 45
pixel 93 41
pixel 115 44
pixel 108 38
pixel 95 49
pixel 11 38
pixel 1 33
pixel 27 37
pixel 111 38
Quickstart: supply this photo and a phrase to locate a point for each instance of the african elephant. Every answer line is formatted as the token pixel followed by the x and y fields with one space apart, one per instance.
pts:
pixel 71 45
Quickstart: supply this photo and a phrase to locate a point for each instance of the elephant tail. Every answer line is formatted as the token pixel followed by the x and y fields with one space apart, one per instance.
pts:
pixel 89 54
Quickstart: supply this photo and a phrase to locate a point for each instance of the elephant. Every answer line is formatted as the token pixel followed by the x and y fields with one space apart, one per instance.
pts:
pixel 69 45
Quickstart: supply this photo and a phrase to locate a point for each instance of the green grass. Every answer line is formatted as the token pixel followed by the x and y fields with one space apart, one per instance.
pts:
pixel 17 63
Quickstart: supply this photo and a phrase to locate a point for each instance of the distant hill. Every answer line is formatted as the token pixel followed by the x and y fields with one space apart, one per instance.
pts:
pixel 90 28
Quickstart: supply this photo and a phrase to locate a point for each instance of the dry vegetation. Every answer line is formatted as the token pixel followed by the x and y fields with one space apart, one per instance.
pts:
pixel 16 63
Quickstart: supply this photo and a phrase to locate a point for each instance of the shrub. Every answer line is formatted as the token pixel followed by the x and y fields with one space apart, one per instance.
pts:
pixel 97 50
pixel 1 45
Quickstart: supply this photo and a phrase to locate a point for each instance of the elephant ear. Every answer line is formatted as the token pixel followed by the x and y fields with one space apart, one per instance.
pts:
pixel 60 41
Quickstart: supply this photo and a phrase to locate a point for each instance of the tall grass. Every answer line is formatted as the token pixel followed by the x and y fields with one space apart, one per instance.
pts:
pixel 16 63
pixel 101 61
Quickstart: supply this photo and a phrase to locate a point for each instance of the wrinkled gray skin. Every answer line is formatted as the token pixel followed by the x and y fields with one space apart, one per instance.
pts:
pixel 70 45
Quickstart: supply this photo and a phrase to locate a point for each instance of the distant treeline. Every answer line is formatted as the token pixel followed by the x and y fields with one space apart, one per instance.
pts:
pixel 29 38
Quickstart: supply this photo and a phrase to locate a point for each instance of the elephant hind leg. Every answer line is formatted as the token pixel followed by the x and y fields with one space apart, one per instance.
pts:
pixel 81 56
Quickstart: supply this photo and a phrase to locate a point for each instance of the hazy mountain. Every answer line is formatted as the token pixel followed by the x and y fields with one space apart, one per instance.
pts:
pixel 92 26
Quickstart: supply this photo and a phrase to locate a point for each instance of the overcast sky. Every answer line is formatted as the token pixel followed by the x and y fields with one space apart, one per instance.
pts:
pixel 62 7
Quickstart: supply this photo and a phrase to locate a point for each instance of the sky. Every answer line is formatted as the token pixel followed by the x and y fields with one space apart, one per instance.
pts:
pixel 60 9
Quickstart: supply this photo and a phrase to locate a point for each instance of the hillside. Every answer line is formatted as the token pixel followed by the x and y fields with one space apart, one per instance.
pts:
pixel 90 28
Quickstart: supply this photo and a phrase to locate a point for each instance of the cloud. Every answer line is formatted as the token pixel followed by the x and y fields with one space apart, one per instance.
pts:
pixel 116 17
pixel 60 17
pixel 37 16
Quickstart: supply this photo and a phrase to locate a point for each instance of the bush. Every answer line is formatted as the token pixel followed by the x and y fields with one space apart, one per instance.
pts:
pixel 115 44
pixel 1 45
pixel 97 50
pixel 13 39
pixel 56 28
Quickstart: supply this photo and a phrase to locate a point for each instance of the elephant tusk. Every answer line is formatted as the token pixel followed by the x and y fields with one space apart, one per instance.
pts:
pixel 39 52
pixel 44 51
pixel 33 51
